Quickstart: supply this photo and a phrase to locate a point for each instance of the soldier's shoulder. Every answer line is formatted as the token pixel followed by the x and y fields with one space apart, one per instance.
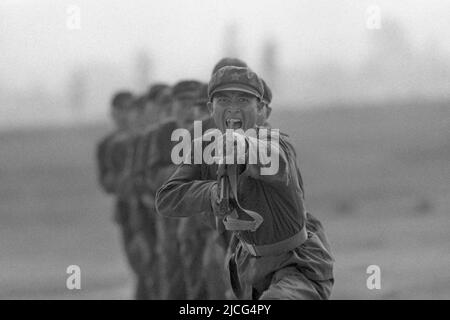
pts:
pixel 283 139
pixel 286 142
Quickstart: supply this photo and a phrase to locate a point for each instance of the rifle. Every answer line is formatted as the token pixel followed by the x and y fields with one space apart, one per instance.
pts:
pixel 223 173
pixel 224 188
pixel 228 200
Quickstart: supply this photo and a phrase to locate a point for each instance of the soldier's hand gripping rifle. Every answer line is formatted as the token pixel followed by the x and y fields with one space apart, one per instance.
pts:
pixel 229 206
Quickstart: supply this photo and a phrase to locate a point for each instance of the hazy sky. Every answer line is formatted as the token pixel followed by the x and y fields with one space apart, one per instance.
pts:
pixel 185 37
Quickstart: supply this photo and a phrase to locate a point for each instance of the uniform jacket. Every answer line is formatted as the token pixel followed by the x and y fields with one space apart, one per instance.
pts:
pixel 277 198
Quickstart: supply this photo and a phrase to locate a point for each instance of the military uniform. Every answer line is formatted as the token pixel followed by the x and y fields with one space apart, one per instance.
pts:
pixel 285 253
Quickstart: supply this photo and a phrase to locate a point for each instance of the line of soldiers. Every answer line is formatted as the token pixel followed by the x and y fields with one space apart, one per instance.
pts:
pixel 185 258
pixel 170 259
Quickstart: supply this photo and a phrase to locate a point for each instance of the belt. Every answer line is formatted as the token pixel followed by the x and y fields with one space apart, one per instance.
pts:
pixel 276 248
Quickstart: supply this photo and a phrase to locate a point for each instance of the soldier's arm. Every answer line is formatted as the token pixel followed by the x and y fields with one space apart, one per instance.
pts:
pixel 185 194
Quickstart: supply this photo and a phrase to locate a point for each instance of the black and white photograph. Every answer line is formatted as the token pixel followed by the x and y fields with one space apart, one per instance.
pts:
pixel 224 150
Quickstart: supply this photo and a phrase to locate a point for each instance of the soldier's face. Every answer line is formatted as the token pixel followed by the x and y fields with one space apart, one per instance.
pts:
pixel 235 110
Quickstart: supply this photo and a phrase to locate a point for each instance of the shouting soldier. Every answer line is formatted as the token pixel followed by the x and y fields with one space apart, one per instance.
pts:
pixel 279 254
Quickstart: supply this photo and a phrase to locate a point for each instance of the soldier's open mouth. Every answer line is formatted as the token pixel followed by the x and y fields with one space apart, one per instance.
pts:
pixel 233 123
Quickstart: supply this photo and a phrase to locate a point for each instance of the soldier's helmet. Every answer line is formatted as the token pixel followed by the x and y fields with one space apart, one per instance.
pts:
pixel 186 89
pixel 158 91
pixel 224 62
pixel 230 78
pixel 122 100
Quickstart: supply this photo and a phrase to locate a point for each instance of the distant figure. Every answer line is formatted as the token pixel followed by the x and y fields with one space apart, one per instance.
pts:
pixel 226 62
pixel 115 156
pixel 154 108
pixel 140 228
pixel 120 104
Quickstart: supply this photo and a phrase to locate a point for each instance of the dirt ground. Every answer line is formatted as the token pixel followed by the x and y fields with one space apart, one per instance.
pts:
pixel 378 179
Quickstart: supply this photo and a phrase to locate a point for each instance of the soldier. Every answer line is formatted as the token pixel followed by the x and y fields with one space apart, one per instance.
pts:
pixel 115 169
pixel 278 255
pixel 131 219
pixel 119 105
pixel 159 167
pixel 156 109
pixel 140 226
